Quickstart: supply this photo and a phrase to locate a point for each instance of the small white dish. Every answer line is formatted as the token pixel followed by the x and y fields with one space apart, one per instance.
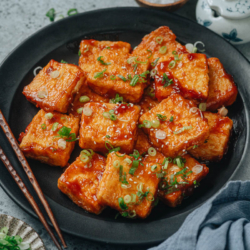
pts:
pixel 228 18
pixel 18 227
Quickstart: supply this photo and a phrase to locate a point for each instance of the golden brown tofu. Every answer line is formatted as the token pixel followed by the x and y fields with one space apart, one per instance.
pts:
pixel 216 144
pixel 222 89
pixel 147 103
pixel 50 138
pixel 55 86
pixel 131 194
pixel 180 181
pixel 179 128
pixel 109 124
pixel 142 145
pixel 84 95
pixel 189 77
pixel 152 43
pixel 80 181
pixel 111 71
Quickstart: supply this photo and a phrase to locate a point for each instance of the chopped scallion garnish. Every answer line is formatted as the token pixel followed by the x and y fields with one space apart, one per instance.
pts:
pixel 150 51
pixel 122 77
pixel 155 62
pixel 72 12
pixel 182 129
pixel 43 126
pixel 99 74
pixel 99 59
pixel 163 50
pixel 161 117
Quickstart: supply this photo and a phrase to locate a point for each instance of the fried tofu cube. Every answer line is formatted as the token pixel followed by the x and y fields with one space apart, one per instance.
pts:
pixel 109 125
pixel 55 86
pixel 179 129
pixel 152 43
pixel 180 181
pixel 216 144
pixel 111 72
pixel 84 96
pixel 81 180
pixel 131 194
pixel 50 138
pixel 189 77
pixel 222 89
pixel 147 103
pixel 142 145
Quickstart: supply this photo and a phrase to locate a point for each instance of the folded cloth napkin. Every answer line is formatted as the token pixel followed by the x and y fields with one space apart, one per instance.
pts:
pixel 221 223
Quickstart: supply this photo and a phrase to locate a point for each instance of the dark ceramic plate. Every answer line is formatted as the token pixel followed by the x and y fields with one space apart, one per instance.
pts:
pixel 60 41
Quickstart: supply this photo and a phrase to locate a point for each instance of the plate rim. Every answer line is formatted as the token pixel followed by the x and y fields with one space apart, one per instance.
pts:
pixel 27 208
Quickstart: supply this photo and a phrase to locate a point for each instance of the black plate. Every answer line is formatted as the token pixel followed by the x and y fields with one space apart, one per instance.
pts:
pixel 60 41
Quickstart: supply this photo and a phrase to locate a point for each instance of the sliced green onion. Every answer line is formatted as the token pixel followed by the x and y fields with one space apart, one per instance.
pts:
pixel 85 152
pixel 127 198
pixel 116 164
pixel 133 200
pixel 150 51
pixel 203 106
pixel 79 52
pixel 86 50
pixel 174 52
pixel 147 124
pixel 182 129
pixel 163 50
pixel 161 117
pixel 48 116
pixel 129 77
pixel 122 77
pixel 152 198
pixel 155 123
pixel 127 160
pixel 72 12
pixel 153 168
pixel 54 126
pixel 152 151
pixel 195 146
pixel 125 186
pixel 131 59
pixel 153 72
pixel 99 74
pixel 99 59
pixel 159 39
pixel 106 115
pixel 171 119
pixel 140 187
pixel 79 111
pixel 111 111
pixel 194 50
pixel 122 205
pixel 140 61
pixel 155 62
pixel 113 117
pixel 134 80
pixel 62 61
pixel 84 98
pixel 172 64
pixel 84 158
pixel 112 77
pixel 134 167
pixel 51 14
pixel 43 126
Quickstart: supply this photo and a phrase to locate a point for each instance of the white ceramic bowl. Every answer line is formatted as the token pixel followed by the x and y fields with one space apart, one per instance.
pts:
pixel 228 18
pixel 18 227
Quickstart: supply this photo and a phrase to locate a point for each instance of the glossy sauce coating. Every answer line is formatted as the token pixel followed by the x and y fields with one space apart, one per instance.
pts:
pixel 178 108
pixel 95 130
pixel 217 143
pixel 42 144
pixel 80 182
pixel 55 86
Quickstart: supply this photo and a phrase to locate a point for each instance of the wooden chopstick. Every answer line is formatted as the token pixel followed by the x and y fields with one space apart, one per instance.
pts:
pixel 28 195
pixel 32 178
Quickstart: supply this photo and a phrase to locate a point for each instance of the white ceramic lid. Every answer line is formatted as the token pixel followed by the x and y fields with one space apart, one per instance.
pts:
pixel 233 9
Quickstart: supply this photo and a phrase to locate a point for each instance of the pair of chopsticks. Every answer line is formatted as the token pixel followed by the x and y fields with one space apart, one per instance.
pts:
pixel 14 144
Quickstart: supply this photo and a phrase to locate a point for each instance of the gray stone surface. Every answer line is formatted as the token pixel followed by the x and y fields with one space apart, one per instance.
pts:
pixel 18 20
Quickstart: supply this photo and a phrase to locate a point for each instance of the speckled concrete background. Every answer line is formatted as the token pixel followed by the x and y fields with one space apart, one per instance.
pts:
pixel 18 20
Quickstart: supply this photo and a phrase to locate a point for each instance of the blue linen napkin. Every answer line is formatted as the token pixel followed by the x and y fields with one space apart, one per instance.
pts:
pixel 221 223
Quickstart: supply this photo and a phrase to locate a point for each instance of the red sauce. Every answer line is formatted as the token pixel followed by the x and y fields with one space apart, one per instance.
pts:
pixel 22 134
pixel 176 85
pixel 49 69
pixel 90 41
pixel 191 56
pixel 182 50
pixel 122 108
pixel 218 127
pixel 74 187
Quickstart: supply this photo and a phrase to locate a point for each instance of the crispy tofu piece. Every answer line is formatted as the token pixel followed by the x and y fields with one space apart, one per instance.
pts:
pixel 147 103
pixel 80 182
pixel 222 89
pixel 181 130
pixel 76 106
pixel 114 77
pixel 40 142
pixel 149 43
pixel 180 182
pixel 216 144
pixel 142 145
pixel 55 86
pixel 110 188
pixel 98 132
pixel 189 77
